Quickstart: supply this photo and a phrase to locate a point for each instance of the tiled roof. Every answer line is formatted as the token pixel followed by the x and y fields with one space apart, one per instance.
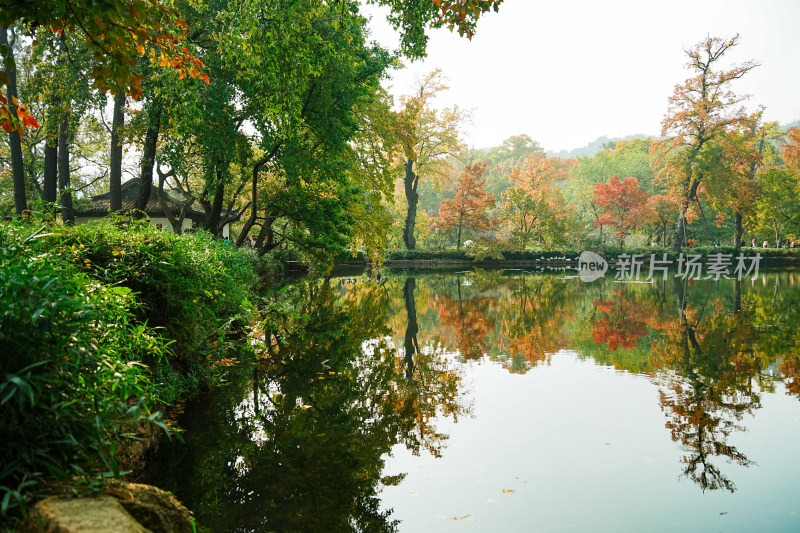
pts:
pixel 99 206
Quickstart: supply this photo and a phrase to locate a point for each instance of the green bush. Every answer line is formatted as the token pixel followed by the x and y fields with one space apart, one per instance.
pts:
pixel 188 285
pixel 72 387
pixel 100 324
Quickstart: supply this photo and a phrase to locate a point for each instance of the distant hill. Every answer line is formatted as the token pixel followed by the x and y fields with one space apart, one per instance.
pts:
pixel 594 146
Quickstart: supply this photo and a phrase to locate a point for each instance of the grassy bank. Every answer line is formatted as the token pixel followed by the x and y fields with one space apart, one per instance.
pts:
pixel 103 325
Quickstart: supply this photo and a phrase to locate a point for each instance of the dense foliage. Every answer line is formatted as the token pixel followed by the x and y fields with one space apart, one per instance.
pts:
pixel 101 326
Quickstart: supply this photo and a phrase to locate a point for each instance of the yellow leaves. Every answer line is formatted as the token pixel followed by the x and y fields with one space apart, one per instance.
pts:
pixel 509 491
pixel 466 516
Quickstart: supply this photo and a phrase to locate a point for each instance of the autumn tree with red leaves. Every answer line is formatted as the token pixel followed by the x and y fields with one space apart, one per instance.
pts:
pixel 470 210
pixel 624 206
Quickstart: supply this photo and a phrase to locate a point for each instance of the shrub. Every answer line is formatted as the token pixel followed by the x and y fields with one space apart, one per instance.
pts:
pixel 191 286
pixel 72 387
pixel 98 323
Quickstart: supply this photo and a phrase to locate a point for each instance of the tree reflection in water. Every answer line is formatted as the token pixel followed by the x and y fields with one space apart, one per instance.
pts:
pixel 334 393
pixel 711 362
pixel 304 451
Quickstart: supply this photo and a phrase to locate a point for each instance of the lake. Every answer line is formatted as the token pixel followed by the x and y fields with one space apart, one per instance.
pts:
pixel 505 401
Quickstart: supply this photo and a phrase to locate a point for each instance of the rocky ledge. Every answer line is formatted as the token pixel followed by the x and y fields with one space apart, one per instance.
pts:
pixel 122 508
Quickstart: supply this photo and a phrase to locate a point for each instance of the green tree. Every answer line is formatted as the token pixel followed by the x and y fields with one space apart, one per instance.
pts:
pixel 777 208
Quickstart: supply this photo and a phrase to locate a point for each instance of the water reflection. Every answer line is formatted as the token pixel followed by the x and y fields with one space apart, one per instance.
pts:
pixel 304 450
pixel 352 368
pixel 712 348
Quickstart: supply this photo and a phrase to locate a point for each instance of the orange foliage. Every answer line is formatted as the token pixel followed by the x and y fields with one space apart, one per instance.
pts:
pixel 470 209
pixel 463 323
pixel 791 150
pixel 624 323
pixel 624 205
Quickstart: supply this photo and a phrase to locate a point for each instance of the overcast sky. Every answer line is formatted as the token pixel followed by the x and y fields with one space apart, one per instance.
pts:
pixel 568 72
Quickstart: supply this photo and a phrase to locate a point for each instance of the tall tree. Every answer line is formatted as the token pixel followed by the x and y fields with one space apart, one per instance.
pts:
pixel 428 137
pixel 701 110
pixel 470 210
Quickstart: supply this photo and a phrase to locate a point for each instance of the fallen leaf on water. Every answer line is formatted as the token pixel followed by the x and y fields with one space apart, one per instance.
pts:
pixel 462 517
pixel 507 491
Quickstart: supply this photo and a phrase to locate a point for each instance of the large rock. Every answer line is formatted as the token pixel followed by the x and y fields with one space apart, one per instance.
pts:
pixel 101 513
pixel 153 508
pixel 123 508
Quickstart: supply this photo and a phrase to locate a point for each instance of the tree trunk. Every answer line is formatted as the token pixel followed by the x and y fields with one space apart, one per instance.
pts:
pixel 680 232
pixel 738 231
pixel 115 173
pixel 212 222
pixel 50 192
pixel 410 181
pixel 64 187
pixel 148 159
pixel 175 222
pixel 14 141
pixel 412 328
pixel 254 202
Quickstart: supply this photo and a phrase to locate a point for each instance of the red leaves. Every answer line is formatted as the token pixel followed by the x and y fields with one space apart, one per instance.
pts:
pixel 470 209
pixel 624 205
pixel 18 123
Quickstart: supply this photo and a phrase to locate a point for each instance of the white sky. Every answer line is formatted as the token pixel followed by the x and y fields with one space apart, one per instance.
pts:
pixel 567 72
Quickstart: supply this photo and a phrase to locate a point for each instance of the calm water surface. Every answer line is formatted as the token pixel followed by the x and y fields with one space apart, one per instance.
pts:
pixel 506 401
